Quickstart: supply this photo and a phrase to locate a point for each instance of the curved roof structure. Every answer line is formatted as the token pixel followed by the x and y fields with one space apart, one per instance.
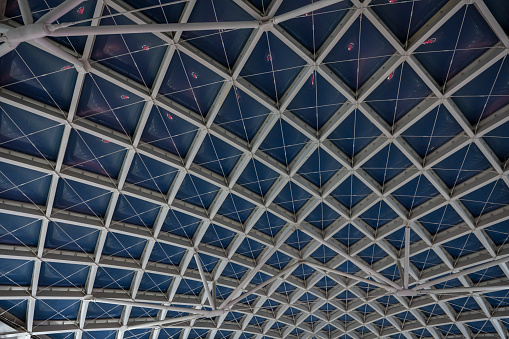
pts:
pixel 254 169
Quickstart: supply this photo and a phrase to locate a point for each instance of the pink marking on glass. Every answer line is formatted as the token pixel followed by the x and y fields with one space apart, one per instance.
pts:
pixel 429 41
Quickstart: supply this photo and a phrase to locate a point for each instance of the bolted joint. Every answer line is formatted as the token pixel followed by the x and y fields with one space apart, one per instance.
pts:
pixel 27 33
pixel 266 25
pixel 83 69
pixel 405 56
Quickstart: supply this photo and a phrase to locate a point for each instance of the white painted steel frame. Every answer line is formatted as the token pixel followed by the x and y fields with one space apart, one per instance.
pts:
pixel 390 134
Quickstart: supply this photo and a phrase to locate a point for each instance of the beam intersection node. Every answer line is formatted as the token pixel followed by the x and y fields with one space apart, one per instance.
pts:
pixel 353 167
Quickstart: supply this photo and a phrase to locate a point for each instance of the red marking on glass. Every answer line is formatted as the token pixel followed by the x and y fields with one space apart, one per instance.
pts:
pixel 145 47
pixel 307 14
pixel 429 41
pixel 390 76
pixel 123 96
pixel 237 94
pixel 350 47
pixel 81 10
pixel 194 75
pixel 66 67
pixel 169 116
pixel 312 79
pixel 268 58
pixel 106 141
pixel 222 30
pixel 392 1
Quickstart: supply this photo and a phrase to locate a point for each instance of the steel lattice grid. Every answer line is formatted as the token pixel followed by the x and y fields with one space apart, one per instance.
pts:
pixel 130 147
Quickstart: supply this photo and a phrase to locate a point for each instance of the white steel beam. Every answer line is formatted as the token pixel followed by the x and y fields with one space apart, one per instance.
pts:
pixel 470 135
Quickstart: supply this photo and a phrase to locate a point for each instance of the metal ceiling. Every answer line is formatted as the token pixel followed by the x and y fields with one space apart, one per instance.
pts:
pixel 135 167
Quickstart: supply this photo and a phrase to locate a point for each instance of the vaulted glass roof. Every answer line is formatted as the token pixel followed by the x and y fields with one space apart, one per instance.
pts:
pixel 298 169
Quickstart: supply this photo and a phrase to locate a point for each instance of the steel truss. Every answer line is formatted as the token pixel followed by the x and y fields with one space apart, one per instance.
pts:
pixel 390 135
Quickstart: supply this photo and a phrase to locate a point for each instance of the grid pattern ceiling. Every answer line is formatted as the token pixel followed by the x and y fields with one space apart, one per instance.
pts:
pixel 321 138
